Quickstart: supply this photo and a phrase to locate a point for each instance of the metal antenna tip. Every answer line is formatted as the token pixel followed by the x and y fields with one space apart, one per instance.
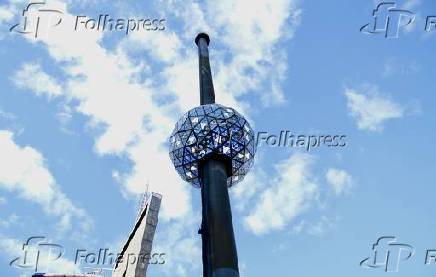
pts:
pixel 202 35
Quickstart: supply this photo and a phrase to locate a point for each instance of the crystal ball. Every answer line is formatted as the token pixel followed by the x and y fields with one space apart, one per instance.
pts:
pixel 212 129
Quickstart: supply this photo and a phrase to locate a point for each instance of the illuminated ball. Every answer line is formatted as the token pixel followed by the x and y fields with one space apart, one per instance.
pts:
pixel 212 129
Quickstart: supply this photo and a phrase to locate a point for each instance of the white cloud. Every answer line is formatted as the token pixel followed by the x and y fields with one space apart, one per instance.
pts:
pixel 252 30
pixel 182 247
pixel 410 4
pixel 321 226
pixel 152 163
pixel 5 14
pixel 164 46
pixel 370 109
pixel 316 228
pixel 243 194
pixel 281 199
pixel 299 227
pixel 7 115
pixel 9 10
pixel 25 172
pixel 289 194
pixel 32 76
pixel 3 201
pixel 339 180
pixel 395 67
pixel 9 221
pixel 104 85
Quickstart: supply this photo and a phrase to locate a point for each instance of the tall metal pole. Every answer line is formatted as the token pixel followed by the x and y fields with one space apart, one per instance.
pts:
pixel 220 258
pixel 207 93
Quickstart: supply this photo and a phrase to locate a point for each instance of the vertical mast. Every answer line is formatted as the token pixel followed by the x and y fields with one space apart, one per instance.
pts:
pixel 207 94
pixel 219 247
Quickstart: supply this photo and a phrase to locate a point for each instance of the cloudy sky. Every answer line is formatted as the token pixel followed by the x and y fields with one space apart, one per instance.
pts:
pixel 85 115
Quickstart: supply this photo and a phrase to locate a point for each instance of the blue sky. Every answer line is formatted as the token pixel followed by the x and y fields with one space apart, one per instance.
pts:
pixel 85 114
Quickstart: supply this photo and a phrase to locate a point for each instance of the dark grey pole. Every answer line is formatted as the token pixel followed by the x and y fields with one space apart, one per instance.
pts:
pixel 220 241
pixel 220 258
pixel 207 93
